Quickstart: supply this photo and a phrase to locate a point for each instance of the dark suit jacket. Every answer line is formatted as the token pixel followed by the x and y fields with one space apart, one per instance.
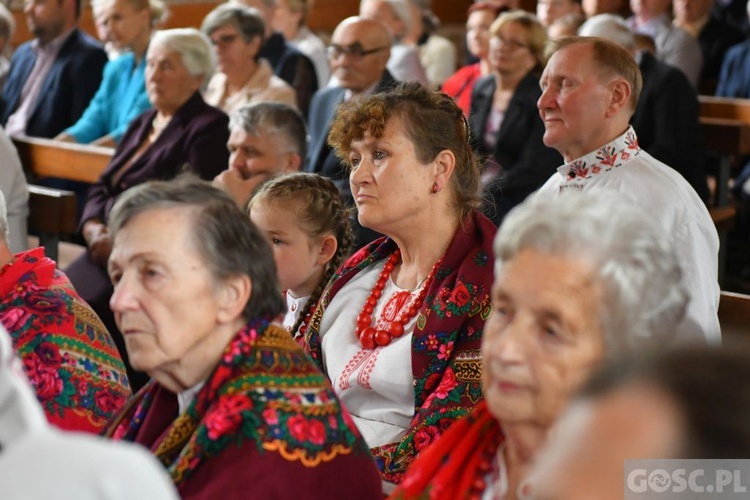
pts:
pixel 71 82
pixel 292 66
pixel 715 39
pixel 196 139
pixel 667 121
pixel 520 151
pixel 320 157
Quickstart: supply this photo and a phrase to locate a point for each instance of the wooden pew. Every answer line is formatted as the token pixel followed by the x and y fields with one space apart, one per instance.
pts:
pixel 734 314
pixel 75 162
pixel 53 212
pixel 725 129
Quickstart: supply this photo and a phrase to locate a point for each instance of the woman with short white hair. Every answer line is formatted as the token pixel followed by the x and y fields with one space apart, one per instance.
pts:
pixel 182 132
pixel 578 278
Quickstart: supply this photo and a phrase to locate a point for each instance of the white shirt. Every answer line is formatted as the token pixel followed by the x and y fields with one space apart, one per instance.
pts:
pixel 16 192
pixel 376 385
pixel 662 192
pixel 404 64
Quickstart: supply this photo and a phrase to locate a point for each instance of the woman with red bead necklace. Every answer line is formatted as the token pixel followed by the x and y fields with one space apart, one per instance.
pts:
pixel 399 328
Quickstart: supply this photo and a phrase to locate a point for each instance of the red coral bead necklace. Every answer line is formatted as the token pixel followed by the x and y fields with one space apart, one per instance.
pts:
pixel 369 336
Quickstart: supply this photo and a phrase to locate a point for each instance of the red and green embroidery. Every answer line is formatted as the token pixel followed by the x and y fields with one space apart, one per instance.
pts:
pixel 445 345
pixel 67 354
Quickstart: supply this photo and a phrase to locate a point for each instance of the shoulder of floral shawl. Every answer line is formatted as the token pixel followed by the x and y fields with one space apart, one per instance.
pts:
pixel 281 403
pixel 360 260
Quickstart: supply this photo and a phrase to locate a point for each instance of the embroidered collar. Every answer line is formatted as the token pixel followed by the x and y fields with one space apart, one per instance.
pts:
pixel 608 157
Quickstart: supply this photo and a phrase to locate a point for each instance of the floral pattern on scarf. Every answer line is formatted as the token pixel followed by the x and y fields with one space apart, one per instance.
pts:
pixel 446 361
pixel 265 390
pixel 67 354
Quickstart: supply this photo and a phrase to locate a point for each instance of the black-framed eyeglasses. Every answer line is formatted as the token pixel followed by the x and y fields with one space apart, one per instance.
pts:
pixel 355 51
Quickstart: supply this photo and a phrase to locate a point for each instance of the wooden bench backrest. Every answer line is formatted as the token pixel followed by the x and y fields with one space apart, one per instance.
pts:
pixel 77 162
pixel 725 108
pixel 734 314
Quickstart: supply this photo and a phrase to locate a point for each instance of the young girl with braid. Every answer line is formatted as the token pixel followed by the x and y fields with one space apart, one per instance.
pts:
pixel 307 223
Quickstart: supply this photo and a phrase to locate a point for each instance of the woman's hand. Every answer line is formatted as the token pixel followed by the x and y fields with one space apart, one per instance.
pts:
pixel 98 240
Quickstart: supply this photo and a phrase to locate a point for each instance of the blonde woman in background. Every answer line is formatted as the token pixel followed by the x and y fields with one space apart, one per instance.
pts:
pixel 127 26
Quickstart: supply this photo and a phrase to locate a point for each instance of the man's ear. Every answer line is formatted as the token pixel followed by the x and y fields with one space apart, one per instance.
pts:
pixel 620 96
pixel 292 163
pixel 328 247
pixel 233 295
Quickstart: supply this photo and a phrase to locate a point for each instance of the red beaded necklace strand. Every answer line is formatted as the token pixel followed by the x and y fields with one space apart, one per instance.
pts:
pixel 371 337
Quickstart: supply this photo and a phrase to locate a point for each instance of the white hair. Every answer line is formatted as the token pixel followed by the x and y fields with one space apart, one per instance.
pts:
pixel 644 295
pixel 193 46
pixel 611 27
pixel 400 9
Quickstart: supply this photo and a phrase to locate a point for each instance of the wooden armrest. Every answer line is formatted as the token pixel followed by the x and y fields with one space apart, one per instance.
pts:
pixel 52 211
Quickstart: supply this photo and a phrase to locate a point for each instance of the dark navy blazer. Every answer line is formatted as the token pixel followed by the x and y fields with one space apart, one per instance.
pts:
pixel 72 81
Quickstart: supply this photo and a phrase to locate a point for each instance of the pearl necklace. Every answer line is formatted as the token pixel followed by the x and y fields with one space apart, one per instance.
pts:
pixel 369 336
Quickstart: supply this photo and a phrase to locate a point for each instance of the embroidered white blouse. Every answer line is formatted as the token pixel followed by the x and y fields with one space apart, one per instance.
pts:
pixel 376 385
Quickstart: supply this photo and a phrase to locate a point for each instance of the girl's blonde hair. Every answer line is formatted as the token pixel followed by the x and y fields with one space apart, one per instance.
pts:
pixel 320 211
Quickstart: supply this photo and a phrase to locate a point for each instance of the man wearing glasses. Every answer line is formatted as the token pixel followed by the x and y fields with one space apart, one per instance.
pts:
pixel 358 54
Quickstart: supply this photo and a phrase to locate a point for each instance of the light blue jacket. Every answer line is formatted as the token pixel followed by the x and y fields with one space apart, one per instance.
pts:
pixel 120 98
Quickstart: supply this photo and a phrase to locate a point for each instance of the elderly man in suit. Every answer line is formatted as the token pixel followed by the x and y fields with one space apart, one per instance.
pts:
pixel 53 77
pixel 358 53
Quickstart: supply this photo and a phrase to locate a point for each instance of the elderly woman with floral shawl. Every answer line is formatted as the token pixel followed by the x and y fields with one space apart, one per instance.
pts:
pixel 399 329
pixel 234 407
pixel 68 356
pixel 579 278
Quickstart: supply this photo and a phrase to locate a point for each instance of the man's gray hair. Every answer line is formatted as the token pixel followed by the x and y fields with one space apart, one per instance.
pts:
pixel 4 229
pixel 611 27
pixel 644 295
pixel 273 118
pixel 193 46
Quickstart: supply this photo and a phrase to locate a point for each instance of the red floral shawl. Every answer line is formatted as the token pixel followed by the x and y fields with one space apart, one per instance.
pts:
pixel 446 362
pixel 265 395
pixel 67 353
pixel 456 465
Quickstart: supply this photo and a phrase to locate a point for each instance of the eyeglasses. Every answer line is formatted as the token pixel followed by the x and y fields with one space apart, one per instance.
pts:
pixel 224 40
pixel 511 44
pixel 355 51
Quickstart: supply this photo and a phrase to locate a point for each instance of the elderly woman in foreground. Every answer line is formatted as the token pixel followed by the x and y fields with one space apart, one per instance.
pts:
pixel 399 329
pixel 579 278
pixel 181 132
pixel 234 404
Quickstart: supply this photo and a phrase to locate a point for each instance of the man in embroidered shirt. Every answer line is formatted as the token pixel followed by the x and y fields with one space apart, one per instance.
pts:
pixel 53 77
pixel 590 89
